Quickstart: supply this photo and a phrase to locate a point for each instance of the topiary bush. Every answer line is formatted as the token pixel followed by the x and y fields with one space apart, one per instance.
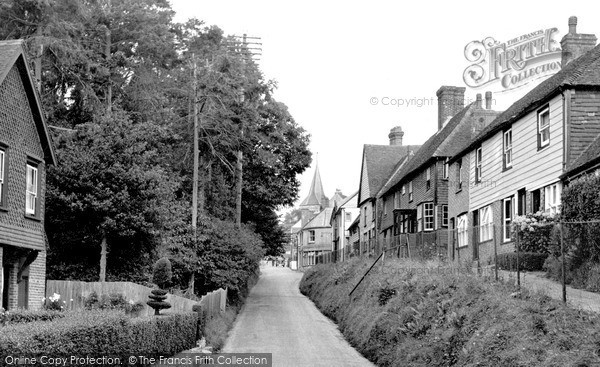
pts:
pixel 162 278
pixel 162 273
pixel 528 261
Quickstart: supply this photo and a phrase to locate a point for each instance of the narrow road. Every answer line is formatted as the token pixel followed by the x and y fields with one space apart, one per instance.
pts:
pixel 278 319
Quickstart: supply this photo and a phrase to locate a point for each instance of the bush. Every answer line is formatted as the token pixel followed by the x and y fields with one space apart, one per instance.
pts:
pixel 22 316
pixel 113 301
pixel 54 303
pixel 101 333
pixel 536 232
pixel 528 261
pixel 162 273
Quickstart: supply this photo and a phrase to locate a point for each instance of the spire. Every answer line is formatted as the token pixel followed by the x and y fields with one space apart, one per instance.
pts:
pixel 316 195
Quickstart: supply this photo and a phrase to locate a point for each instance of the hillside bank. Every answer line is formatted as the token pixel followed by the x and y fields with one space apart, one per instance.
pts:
pixel 415 314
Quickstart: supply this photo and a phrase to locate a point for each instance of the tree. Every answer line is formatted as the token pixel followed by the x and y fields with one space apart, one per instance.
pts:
pixel 109 187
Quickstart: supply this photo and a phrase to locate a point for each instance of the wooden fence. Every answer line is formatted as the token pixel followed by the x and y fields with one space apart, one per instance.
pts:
pixel 74 294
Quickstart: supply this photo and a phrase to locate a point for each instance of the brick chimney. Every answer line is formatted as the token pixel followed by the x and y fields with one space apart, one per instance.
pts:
pixel 450 101
pixel 478 101
pixel 396 135
pixel 574 45
pixel 488 100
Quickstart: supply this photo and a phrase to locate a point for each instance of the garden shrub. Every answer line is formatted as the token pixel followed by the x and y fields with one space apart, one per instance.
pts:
pixel 101 333
pixel 528 261
pixel 162 278
pixel 22 316
pixel 536 232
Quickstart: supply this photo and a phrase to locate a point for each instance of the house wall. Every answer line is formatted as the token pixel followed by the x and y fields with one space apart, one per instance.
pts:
pixel 20 137
pixel 19 134
pixel 532 169
pixel 583 122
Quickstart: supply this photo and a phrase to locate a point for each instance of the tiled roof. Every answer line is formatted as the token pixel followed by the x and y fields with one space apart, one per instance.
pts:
pixel 582 72
pixel 588 158
pixel 11 53
pixel 428 150
pixel 323 219
pixel 381 160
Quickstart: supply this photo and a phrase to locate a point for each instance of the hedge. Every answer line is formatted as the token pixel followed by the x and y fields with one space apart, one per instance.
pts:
pixel 22 316
pixel 530 261
pixel 101 333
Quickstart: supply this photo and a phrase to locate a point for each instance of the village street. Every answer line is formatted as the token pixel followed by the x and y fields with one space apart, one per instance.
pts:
pixel 278 319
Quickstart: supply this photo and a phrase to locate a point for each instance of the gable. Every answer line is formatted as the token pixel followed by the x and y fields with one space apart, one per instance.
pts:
pixel 13 62
pixel 364 182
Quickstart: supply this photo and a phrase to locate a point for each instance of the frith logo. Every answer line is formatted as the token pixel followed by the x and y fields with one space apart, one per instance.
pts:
pixel 514 63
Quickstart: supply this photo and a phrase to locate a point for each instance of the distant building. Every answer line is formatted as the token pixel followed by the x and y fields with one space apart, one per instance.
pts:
pixel 344 213
pixel 378 162
pixel 316 200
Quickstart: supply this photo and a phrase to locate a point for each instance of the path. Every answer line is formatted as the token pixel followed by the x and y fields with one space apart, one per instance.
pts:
pixel 278 319
pixel 536 281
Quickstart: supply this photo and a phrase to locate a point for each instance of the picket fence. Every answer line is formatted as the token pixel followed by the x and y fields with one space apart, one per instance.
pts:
pixel 74 294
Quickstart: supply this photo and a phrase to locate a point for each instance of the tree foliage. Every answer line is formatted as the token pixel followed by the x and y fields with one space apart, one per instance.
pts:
pixel 119 74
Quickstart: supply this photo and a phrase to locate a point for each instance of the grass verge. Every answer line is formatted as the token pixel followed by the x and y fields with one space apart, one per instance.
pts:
pixel 430 314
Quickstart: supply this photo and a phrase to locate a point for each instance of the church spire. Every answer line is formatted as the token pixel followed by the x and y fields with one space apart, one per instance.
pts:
pixel 316 195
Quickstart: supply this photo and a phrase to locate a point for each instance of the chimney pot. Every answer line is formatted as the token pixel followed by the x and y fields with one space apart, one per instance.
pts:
pixel 573 25
pixel 396 135
pixel 478 100
pixel 574 45
pixel 488 100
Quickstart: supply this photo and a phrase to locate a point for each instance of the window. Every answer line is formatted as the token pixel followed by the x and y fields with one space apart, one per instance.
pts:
pixel 460 176
pixel 373 211
pixel 2 175
pixel 428 214
pixel 486 227
pixel 410 191
pixel 462 230
pixel 396 200
pixel 445 216
pixel 521 196
pixel 507 149
pixel 31 198
pixel 385 206
pixel 364 216
pixel 403 189
pixel 543 128
pixel 552 198
pixel 425 217
pixel 478 158
pixel 446 169
pixel 348 217
pixel 507 217
pixel 428 178
pixel 311 236
pixel 536 201
pixel 419 218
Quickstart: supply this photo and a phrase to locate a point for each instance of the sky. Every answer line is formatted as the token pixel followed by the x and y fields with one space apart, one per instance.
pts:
pixel 349 71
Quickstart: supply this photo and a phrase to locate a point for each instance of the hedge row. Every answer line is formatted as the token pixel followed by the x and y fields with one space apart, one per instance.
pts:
pixel 101 333
pixel 22 316
pixel 529 261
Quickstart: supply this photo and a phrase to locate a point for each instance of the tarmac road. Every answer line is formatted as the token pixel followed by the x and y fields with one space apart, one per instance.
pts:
pixel 278 319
